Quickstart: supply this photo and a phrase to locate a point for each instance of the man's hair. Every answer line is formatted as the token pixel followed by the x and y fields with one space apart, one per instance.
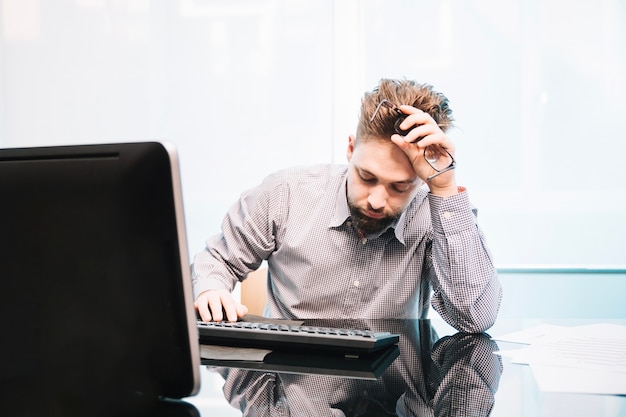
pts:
pixel 399 92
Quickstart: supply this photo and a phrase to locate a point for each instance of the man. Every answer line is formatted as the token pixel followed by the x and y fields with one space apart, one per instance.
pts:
pixel 372 239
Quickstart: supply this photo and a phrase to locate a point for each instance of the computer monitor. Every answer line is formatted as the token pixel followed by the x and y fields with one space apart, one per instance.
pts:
pixel 95 293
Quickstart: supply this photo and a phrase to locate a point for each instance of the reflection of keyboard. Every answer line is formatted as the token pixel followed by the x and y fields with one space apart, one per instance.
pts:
pixel 290 337
pixel 362 366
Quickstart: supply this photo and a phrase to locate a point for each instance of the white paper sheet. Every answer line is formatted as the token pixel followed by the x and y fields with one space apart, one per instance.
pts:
pixel 582 359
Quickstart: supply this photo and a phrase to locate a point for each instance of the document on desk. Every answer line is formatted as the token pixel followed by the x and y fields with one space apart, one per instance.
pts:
pixel 587 359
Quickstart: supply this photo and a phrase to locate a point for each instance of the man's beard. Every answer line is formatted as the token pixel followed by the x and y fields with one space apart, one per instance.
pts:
pixel 368 225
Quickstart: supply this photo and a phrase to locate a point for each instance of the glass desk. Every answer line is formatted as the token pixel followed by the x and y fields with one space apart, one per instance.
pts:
pixel 438 372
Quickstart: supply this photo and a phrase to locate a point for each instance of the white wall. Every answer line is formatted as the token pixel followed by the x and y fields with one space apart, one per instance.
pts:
pixel 246 87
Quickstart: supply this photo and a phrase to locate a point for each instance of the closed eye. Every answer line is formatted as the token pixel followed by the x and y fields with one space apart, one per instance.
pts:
pixel 397 187
pixel 401 188
pixel 369 180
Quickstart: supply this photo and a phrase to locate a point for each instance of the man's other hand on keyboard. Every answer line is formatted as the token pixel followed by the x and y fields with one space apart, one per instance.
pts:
pixel 218 305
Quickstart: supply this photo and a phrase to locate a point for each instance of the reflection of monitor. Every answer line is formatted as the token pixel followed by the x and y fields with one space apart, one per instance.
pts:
pixel 95 294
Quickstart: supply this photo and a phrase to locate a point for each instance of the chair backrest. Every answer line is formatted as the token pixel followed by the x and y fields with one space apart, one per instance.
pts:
pixel 254 291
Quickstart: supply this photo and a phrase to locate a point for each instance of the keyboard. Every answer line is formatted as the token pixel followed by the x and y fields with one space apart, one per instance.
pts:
pixel 276 336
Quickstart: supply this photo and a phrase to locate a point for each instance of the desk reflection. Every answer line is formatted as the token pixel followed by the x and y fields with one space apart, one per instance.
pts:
pixel 453 376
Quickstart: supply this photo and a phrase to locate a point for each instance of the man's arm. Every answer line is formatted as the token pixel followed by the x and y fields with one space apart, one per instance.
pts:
pixel 245 241
pixel 467 290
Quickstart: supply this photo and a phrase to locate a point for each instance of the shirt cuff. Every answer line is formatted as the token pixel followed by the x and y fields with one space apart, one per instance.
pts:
pixel 451 214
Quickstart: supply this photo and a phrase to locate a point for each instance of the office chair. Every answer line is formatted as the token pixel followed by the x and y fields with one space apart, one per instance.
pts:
pixel 254 291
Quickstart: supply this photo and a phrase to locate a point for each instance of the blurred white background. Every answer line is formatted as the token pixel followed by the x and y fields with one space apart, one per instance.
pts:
pixel 245 87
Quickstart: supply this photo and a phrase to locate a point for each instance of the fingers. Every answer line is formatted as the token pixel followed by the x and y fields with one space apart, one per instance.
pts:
pixel 218 305
pixel 423 129
pixel 417 123
pixel 202 306
pixel 426 147
pixel 242 310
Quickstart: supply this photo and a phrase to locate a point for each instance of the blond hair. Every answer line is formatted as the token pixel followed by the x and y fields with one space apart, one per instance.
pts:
pixel 399 92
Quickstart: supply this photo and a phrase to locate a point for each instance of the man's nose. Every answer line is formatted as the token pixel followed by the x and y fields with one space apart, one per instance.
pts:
pixel 377 197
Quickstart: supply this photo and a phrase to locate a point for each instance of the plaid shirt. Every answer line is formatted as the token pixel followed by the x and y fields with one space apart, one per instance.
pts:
pixel 319 267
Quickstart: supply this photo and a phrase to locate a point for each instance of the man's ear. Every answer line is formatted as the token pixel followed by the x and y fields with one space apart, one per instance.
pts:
pixel 351 144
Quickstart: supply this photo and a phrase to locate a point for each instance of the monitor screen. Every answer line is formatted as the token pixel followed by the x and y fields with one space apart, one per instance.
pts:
pixel 95 293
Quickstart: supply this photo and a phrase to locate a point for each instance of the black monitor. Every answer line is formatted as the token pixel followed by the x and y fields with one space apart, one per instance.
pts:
pixel 95 293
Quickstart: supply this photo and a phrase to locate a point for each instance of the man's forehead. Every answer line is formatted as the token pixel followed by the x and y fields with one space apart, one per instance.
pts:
pixel 383 160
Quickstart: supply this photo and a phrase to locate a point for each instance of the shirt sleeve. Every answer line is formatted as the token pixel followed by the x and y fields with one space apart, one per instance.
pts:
pixel 246 239
pixel 254 393
pixel 466 288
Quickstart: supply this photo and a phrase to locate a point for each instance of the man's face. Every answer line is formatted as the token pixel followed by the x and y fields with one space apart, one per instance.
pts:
pixel 381 183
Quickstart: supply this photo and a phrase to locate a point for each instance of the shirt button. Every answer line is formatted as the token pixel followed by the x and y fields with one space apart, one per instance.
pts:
pixel 364 240
pixel 447 215
pixel 357 283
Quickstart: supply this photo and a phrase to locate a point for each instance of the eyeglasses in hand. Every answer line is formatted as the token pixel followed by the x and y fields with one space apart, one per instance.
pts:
pixel 437 156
